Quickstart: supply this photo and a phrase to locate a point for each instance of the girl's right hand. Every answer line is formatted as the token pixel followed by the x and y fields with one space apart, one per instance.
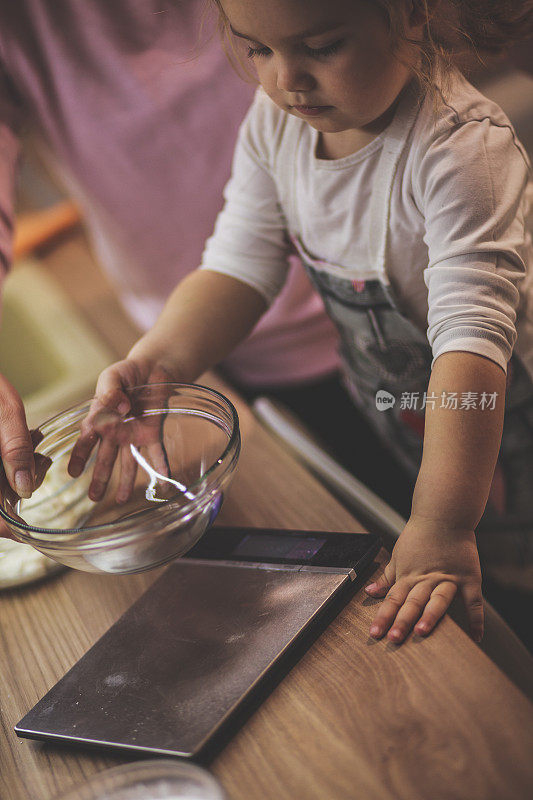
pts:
pixel 429 564
pixel 111 403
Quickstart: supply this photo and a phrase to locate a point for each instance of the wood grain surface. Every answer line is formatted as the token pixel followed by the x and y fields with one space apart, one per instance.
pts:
pixel 354 718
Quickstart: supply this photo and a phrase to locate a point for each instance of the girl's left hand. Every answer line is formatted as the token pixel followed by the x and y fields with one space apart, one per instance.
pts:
pixel 429 564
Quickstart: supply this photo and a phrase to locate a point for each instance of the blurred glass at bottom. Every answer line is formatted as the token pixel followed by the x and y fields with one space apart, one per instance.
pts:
pixel 150 780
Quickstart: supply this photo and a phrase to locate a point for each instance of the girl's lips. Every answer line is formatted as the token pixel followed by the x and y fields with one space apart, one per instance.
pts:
pixel 312 111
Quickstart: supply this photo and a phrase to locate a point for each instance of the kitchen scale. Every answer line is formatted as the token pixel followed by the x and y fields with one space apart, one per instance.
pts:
pixel 180 670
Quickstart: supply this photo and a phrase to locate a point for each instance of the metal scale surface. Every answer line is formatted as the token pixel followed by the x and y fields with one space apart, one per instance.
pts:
pixel 179 670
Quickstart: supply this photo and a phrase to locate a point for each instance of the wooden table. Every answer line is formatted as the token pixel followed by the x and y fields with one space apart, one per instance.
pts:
pixel 354 718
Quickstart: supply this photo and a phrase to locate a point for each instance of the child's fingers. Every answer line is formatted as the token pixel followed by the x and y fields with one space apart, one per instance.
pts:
pixel 115 399
pixel 112 384
pixel 128 473
pixel 85 443
pixel 389 608
pixel 410 611
pixel 100 422
pixel 80 453
pixel 383 583
pixel 110 398
pixel 473 600
pixel 439 602
pixel 103 467
pixel 157 457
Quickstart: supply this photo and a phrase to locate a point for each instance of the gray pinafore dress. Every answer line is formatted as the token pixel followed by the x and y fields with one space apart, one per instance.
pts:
pixel 387 358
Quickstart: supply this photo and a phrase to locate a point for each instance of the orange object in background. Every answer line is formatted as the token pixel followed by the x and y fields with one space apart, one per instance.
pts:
pixel 35 228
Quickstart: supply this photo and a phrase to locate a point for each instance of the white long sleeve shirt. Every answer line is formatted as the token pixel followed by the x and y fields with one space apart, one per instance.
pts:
pixel 457 248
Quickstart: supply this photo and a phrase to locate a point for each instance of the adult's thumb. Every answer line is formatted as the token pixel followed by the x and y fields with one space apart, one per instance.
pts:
pixel 16 447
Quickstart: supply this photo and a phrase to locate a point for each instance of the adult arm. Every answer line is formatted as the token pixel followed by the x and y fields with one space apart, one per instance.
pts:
pixel 16 450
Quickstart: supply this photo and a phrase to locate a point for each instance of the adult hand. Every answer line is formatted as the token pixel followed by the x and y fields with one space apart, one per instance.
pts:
pixel 16 446
pixel 429 564
pixel 5 533
pixel 42 464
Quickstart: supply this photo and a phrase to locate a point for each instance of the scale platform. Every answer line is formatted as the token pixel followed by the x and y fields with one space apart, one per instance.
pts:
pixel 185 665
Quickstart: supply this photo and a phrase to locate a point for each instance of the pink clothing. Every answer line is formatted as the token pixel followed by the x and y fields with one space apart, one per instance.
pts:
pixel 139 115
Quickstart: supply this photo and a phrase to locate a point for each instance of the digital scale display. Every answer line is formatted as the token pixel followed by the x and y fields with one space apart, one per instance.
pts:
pixel 273 546
pixel 301 548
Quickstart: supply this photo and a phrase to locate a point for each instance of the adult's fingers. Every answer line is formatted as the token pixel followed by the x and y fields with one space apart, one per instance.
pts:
pixel 5 533
pixel 16 448
pixel 473 600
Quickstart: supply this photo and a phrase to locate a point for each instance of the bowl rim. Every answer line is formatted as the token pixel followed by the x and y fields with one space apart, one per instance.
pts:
pixel 163 509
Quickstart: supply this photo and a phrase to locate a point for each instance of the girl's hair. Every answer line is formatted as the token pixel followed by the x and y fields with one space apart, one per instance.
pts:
pixel 461 32
pixel 456 32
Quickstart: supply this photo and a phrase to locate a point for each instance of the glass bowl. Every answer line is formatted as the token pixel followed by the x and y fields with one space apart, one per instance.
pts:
pixel 163 468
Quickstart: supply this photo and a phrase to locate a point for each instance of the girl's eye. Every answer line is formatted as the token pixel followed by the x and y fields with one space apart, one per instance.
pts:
pixel 328 50
pixel 258 51
pixel 315 52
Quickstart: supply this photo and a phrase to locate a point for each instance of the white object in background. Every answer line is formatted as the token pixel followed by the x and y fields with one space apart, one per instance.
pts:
pixel 155 779
pixel 20 564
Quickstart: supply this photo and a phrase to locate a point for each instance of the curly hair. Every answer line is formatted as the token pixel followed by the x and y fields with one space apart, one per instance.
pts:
pixel 456 32
pixel 459 32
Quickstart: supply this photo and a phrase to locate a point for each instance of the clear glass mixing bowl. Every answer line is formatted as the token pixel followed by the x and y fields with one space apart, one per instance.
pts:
pixel 170 459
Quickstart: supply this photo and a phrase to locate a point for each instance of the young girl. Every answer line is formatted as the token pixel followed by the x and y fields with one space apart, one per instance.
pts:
pixel 402 189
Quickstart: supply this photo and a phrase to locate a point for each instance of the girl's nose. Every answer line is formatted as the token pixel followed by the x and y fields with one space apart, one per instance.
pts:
pixel 292 77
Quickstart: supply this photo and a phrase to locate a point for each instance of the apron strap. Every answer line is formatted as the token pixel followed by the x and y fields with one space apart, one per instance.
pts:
pixel 394 144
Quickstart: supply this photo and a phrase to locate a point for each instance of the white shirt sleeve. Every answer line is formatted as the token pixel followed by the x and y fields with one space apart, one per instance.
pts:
pixel 250 242
pixel 470 189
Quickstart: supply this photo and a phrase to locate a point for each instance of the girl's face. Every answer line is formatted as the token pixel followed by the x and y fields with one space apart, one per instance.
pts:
pixel 328 62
